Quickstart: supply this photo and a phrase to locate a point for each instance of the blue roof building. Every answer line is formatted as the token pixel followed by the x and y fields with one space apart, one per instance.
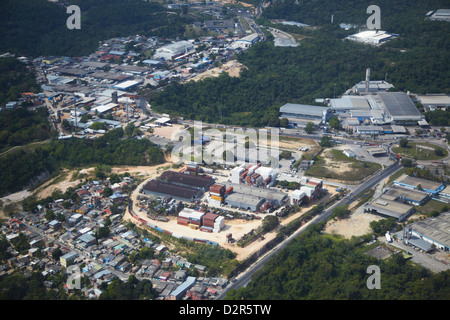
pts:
pixel 182 288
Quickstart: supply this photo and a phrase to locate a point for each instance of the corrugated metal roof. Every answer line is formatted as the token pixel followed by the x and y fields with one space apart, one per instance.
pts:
pixel 303 109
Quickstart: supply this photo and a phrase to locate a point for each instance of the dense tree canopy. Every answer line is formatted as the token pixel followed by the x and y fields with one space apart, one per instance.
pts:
pixel 318 266
pixel 20 126
pixel 19 167
pixel 417 61
pixel 15 79
pixel 39 27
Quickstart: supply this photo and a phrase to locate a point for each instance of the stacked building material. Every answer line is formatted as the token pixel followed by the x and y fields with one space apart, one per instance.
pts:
pixel 219 224
pixel 182 221
pixel 216 193
pixel 193 216
pixel 209 218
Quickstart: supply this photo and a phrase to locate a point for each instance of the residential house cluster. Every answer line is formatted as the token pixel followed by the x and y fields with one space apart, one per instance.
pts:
pixel 101 259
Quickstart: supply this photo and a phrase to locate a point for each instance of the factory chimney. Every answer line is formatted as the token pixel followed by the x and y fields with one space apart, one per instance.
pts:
pixel 367 79
pixel 114 97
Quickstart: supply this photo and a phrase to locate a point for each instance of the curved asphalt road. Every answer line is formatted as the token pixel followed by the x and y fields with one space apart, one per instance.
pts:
pixel 246 276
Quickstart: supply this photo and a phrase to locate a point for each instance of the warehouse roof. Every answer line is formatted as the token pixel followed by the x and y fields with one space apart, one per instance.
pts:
pixel 436 229
pixel 187 179
pixel 434 100
pixel 174 190
pixel 385 205
pixel 105 108
pixel 369 128
pixel 258 192
pixel 374 86
pixel 349 102
pixel 95 64
pixel 414 195
pixel 375 150
pixel 415 182
pixel 244 199
pixel 357 113
pixel 127 84
pixel 303 109
pixel 400 106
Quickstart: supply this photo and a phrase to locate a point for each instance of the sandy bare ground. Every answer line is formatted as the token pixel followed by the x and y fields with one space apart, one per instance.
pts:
pixel 336 166
pixel 295 144
pixel 168 131
pixel 237 227
pixel 233 68
pixel 357 224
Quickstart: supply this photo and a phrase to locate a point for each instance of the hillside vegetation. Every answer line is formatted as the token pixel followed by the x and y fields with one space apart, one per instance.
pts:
pixel 417 61
pixel 315 266
pixel 38 27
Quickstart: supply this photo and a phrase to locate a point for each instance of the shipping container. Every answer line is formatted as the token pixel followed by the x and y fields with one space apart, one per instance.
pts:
pixel 183 222
pixel 193 226
pixel 217 189
pixel 214 202
pixel 217 198
pixel 197 223
pixel 229 190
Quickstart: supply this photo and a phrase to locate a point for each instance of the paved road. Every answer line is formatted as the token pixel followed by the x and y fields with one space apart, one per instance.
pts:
pixel 423 259
pixel 246 276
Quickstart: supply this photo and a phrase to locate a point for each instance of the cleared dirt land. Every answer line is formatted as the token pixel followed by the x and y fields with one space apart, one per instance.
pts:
pixel 237 227
pixel 233 68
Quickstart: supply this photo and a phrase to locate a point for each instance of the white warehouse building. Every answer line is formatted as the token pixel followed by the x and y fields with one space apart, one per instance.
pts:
pixel 173 50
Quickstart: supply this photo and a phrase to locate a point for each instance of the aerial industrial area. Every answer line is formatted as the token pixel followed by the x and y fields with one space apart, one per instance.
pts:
pixel 382 160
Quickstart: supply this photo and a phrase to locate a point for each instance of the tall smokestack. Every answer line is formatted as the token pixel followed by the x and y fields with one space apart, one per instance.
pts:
pixel 367 79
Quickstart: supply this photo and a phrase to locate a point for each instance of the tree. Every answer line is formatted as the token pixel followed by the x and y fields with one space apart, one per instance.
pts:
pixel 381 226
pixel 107 192
pixel 285 154
pixel 407 163
pixel 403 143
pixel 114 178
pixel 341 212
pixel 269 223
pixel 325 141
pixel 98 126
pixel 102 232
pixel 293 185
pixel 439 152
pixel 309 128
pixel 284 122
pixel 56 254
pixel 335 123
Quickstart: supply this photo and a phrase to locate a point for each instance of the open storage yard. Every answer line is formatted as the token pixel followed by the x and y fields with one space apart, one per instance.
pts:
pixel 333 164
pixel 238 227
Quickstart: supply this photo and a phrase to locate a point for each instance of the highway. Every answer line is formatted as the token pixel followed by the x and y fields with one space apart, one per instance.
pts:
pixel 246 276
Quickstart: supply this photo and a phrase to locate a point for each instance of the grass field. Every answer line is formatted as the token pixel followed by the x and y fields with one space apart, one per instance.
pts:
pixel 334 164
pixel 431 206
pixel 421 151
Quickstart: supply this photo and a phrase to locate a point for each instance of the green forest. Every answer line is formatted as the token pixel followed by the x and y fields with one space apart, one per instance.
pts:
pixel 15 79
pixel 18 168
pixel 20 126
pixel 36 28
pixel 317 266
pixel 417 61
